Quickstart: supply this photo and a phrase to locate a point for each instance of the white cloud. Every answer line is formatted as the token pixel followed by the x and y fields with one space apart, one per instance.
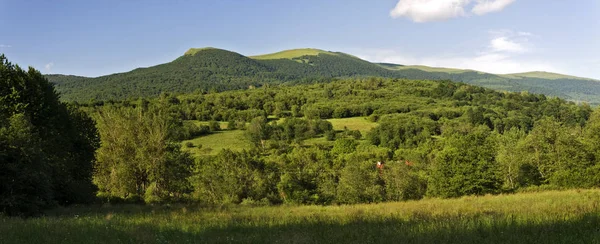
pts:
pixel 429 10
pixel 49 66
pixel 485 62
pixel 489 6
pixel 437 10
pixel 5 46
pixel 501 55
pixel 504 44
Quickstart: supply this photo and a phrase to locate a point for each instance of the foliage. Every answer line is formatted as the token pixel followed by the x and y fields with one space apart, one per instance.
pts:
pixel 138 157
pixel 359 183
pixel 465 165
pixel 46 147
pixel 231 177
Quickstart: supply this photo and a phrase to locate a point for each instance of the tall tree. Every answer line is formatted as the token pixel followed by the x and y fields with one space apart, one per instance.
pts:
pixel 139 157
pixel 510 158
pixel 46 148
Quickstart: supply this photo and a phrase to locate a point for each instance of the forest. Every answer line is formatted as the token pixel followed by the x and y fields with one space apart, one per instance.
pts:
pixel 433 139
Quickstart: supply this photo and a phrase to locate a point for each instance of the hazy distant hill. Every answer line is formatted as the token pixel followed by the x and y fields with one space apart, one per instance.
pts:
pixel 217 69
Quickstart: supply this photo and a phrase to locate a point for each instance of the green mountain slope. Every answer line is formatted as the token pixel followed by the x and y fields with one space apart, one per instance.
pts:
pixel 216 69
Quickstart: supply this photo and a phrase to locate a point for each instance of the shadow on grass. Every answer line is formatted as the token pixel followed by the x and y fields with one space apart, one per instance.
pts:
pixel 491 228
pixel 585 229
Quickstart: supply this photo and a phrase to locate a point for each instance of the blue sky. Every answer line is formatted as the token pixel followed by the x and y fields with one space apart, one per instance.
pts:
pixel 93 38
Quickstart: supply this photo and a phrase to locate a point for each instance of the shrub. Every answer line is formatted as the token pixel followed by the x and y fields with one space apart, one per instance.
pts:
pixel 330 135
pixel 214 126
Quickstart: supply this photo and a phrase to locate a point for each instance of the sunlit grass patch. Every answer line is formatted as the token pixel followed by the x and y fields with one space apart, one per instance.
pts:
pixel 355 123
pixel 214 143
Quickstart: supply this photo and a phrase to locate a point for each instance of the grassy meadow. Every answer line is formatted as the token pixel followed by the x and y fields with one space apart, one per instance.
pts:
pixel 355 123
pixel 294 53
pixel 214 143
pixel 545 217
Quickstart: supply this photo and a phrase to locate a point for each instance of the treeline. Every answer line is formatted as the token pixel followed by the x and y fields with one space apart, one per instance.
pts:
pixel 373 98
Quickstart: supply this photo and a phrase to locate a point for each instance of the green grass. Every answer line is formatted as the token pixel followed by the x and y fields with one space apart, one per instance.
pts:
pixel 293 53
pixel 355 123
pixel 214 143
pixel 222 124
pixel 546 217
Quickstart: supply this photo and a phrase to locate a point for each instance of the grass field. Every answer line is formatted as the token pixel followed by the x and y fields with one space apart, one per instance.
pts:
pixel 546 217
pixel 293 53
pixel 214 143
pixel 355 123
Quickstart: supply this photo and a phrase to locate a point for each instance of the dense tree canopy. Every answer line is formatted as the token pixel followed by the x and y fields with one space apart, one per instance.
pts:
pixel 46 147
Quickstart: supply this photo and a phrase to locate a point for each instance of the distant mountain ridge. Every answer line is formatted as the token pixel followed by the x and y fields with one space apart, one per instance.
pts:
pixel 217 69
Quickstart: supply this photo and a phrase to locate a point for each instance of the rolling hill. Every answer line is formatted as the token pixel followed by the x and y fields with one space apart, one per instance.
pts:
pixel 206 69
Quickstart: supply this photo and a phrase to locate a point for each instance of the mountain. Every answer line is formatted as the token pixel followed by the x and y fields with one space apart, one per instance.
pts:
pixel 204 69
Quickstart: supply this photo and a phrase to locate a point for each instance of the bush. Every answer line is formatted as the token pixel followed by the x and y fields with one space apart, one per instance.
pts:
pixel 330 135
pixel 402 182
pixel 374 118
pixel 214 126
pixel 359 183
pixel 190 130
pixel 231 125
pixel 344 146
pixel 356 134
